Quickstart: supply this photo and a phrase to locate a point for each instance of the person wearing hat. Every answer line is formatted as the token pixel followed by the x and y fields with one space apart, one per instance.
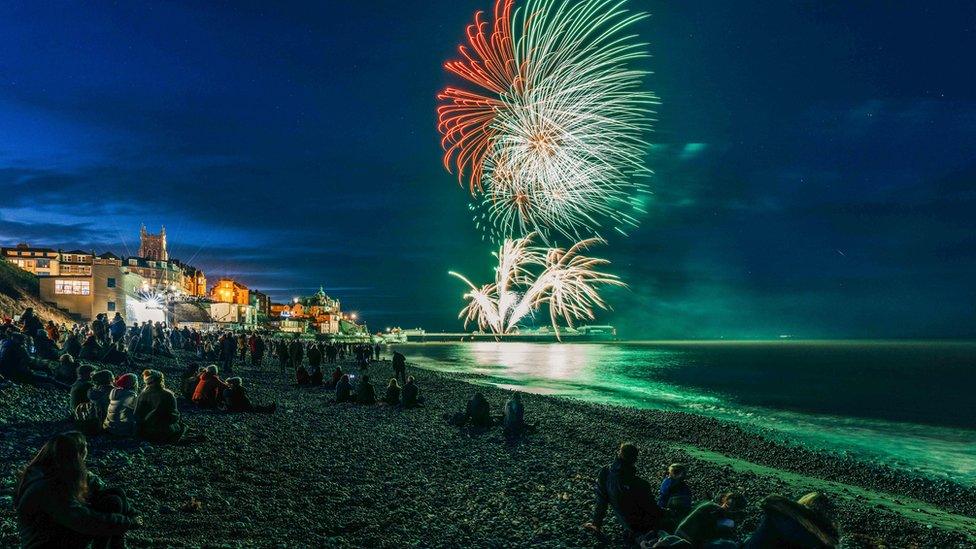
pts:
pixel 120 420
pixel 157 416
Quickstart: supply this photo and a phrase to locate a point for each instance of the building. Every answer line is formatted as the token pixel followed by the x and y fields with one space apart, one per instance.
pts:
pixel 161 276
pixel 321 310
pixel 39 261
pixel 153 246
pixel 194 281
pixel 261 303
pixel 228 290
pixel 92 286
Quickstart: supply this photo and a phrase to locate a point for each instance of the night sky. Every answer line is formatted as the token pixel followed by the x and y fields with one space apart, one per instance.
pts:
pixel 815 164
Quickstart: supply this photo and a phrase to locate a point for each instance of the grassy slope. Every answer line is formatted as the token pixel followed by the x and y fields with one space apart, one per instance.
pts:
pixel 19 290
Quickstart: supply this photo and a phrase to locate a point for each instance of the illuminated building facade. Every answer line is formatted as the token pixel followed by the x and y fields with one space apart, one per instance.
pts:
pixel 39 261
pixel 228 290
pixel 94 285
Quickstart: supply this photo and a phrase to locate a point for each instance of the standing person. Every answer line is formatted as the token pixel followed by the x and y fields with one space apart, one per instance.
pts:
pixel 296 351
pixel 60 503
pixel 376 351
pixel 314 357
pixel 399 367
pixel 117 328
pixel 256 345
pixel 284 358
pixel 242 349
pixel 228 348
pixel 631 497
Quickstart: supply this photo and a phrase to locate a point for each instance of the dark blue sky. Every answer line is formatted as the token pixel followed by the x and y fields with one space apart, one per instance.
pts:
pixel 816 164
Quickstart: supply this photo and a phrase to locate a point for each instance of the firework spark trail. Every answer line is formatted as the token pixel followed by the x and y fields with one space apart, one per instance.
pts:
pixel 567 284
pixel 552 138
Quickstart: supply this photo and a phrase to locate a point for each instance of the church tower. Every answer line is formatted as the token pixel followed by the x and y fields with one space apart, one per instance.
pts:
pixel 153 246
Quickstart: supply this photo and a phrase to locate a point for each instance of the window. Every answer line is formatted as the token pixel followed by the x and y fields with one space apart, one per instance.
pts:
pixel 44 263
pixel 72 287
pixel 111 306
pixel 111 284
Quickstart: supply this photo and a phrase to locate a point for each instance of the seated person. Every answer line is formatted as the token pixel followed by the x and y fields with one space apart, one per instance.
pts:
pixel 674 496
pixel 45 348
pixel 235 399
pixel 713 521
pixel 513 419
pixel 67 369
pixel 302 377
pixel 16 364
pixel 156 413
pixel 343 390
pixel 79 390
pixel 410 396
pixel 478 412
pixel 72 346
pixel 91 350
pixel 392 396
pixel 631 497
pixel 334 380
pixel 120 420
pixel 191 375
pixel 101 390
pixel 210 388
pixel 314 375
pixel 59 503
pixel 365 393
pixel 807 523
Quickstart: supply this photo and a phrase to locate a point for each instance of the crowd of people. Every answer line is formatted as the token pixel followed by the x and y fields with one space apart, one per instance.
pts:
pixel 60 503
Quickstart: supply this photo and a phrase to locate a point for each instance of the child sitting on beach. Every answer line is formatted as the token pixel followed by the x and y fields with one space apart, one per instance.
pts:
pixel 674 496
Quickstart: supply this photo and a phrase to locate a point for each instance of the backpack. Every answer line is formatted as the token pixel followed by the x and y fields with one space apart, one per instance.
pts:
pixel 87 420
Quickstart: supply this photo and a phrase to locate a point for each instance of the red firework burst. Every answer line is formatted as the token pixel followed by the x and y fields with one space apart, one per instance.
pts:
pixel 464 117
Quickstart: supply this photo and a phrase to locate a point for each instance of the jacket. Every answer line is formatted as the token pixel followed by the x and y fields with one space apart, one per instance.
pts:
pixel 157 417
pixel 208 389
pixel 629 495
pixel 120 419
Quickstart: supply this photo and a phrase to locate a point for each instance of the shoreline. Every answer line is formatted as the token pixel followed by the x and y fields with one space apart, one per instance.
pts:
pixel 316 473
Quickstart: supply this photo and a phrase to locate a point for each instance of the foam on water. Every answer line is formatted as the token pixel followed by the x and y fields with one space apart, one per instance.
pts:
pixel 728 382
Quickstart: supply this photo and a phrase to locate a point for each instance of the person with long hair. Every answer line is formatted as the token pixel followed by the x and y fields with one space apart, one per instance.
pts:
pixel 156 414
pixel 60 503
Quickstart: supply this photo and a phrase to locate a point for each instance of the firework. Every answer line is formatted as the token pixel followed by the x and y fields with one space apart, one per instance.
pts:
pixel 551 137
pixel 567 283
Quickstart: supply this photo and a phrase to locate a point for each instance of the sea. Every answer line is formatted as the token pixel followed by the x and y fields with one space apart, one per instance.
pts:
pixel 907 404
